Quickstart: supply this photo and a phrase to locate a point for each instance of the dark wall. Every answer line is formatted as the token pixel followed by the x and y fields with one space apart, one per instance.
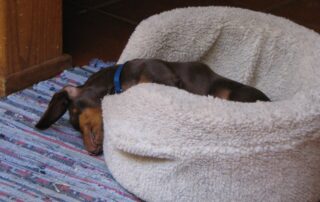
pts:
pixel 101 28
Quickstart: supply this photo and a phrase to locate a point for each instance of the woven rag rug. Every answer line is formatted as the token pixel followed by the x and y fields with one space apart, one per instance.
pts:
pixel 50 165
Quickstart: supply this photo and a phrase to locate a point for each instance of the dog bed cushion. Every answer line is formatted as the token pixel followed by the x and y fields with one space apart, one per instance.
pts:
pixel 165 144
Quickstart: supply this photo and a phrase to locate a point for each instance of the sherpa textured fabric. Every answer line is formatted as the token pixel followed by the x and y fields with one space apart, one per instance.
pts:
pixel 165 144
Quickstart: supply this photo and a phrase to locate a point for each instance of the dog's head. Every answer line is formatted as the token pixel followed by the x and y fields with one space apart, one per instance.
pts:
pixel 78 102
pixel 84 106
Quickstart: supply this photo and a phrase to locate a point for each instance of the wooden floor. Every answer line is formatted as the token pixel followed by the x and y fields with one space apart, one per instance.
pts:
pixel 101 28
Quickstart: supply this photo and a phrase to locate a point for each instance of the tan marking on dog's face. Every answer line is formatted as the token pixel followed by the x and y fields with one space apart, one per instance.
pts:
pixel 223 93
pixel 91 126
pixel 74 110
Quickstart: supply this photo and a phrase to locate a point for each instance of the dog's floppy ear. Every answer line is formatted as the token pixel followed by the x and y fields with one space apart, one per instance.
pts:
pixel 57 107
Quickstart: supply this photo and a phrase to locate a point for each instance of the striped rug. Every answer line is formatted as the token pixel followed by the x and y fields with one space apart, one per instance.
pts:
pixel 50 165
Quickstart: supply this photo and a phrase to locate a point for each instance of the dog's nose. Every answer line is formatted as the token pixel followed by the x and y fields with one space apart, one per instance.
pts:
pixel 96 151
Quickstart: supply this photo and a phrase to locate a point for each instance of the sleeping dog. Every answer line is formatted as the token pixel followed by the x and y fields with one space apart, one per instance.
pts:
pixel 84 102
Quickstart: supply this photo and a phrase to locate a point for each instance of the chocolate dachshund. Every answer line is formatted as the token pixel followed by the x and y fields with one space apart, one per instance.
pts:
pixel 84 102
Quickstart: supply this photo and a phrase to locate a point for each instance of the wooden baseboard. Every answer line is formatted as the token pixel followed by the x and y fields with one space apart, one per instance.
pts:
pixel 34 74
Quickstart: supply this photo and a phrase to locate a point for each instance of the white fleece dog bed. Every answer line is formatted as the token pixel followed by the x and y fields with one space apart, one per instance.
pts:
pixel 165 144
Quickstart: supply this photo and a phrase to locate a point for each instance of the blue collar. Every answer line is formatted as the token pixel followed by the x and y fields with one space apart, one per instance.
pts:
pixel 116 79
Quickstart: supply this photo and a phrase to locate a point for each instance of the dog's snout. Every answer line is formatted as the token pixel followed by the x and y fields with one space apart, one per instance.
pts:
pixel 96 151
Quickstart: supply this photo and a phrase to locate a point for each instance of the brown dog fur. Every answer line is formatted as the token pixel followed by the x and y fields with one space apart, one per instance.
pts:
pixel 84 102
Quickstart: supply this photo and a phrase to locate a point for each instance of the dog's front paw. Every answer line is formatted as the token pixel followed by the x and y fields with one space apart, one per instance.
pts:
pixel 90 121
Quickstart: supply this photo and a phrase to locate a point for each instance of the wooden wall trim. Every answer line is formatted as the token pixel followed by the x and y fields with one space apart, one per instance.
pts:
pixel 30 42
pixel 3 31
pixel 34 74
